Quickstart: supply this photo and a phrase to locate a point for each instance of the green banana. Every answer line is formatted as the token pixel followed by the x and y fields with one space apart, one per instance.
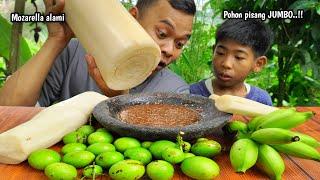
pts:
pixel 243 154
pixel 242 135
pixel 288 120
pixel 253 123
pixel 273 116
pixel 308 140
pixel 270 161
pixel 235 126
pixel 274 136
pixel 298 149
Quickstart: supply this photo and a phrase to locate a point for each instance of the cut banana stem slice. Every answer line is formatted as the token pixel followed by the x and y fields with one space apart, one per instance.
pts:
pixel 241 106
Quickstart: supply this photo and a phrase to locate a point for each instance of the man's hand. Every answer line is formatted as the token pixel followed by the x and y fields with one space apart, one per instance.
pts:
pixel 59 32
pixel 95 74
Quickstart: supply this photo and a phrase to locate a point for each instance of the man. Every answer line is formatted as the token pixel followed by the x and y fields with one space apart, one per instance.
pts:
pixel 58 72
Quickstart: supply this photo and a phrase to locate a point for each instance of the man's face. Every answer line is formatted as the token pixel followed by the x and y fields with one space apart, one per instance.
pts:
pixel 232 63
pixel 169 28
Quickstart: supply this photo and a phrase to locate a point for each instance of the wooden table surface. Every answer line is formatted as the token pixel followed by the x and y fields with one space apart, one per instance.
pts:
pixel 296 168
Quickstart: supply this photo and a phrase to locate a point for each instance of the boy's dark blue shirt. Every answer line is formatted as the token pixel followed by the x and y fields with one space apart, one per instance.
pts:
pixel 255 93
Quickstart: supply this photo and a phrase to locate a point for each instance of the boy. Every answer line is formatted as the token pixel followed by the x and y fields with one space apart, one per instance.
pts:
pixel 240 49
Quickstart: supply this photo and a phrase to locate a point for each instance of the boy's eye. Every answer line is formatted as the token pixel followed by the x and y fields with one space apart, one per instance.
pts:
pixel 239 58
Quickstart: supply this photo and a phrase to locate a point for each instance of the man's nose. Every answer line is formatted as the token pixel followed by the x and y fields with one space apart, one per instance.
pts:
pixel 167 50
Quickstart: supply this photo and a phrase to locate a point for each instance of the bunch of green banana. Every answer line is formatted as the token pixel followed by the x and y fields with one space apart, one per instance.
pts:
pixel 259 140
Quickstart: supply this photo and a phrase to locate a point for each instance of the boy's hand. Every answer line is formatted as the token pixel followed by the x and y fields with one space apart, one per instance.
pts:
pixel 59 32
pixel 96 76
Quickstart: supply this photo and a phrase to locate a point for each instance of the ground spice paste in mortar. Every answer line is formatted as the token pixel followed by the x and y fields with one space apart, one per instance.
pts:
pixel 159 115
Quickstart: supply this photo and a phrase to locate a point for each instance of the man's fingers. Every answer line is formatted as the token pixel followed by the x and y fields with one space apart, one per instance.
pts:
pixel 48 3
pixel 90 61
pixel 58 7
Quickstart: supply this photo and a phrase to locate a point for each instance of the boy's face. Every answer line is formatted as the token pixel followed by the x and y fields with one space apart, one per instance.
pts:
pixel 168 27
pixel 233 62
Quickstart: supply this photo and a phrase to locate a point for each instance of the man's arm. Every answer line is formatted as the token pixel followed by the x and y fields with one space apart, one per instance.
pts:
pixel 24 86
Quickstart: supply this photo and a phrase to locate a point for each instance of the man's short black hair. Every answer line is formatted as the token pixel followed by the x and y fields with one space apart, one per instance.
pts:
pixel 186 6
pixel 253 33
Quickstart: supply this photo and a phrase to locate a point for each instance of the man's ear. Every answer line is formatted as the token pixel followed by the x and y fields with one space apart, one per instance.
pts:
pixel 134 11
pixel 260 62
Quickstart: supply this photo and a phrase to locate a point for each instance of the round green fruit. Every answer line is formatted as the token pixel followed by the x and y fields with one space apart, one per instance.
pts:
pixel 78 159
pixel 124 143
pixel 107 159
pixel 40 159
pixel 127 169
pixel 71 147
pixel 158 147
pixel 200 168
pixel 207 148
pixel 60 171
pixel 160 170
pixel 98 148
pixel 139 154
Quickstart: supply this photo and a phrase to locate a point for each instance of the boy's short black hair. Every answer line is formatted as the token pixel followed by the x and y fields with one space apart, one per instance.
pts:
pixel 253 33
pixel 186 6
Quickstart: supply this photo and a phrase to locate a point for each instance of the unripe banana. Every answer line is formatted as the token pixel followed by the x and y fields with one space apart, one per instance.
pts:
pixel 298 149
pixel 308 140
pixel 273 116
pixel 242 135
pixel 290 119
pixel 243 154
pixel 274 136
pixel 254 122
pixel 235 126
pixel 270 161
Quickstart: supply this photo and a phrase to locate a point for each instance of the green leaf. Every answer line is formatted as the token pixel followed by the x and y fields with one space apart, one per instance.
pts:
pixel 318 9
pixel 303 4
pixel 5 38
pixel 259 3
pixel 315 32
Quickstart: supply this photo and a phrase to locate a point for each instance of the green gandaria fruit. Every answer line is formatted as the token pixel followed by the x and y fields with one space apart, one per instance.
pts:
pixel 127 169
pixel 139 154
pixel 202 139
pixel 71 147
pixel 187 155
pixel 207 148
pixel 98 148
pixel 158 147
pixel 74 137
pixel 107 159
pixel 86 130
pixel 60 171
pixel 160 170
pixel 201 168
pixel 78 159
pixel 101 130
pixel 100 137
pixel 146 144
pixel 92 171
pixel 40 159
pixel 124 143
pixel 173 155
